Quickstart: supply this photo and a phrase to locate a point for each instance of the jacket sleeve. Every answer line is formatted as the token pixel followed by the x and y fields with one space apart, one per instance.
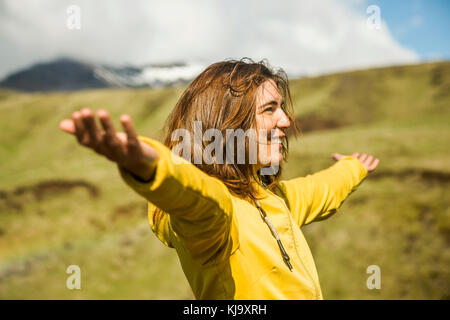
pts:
pixel 318 196
pixel 200 206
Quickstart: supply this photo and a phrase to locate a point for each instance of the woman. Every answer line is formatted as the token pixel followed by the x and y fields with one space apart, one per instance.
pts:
pixel 236 230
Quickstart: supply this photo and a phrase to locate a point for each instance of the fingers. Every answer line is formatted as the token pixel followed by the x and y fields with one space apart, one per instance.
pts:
pixel 93 132
pixel 80 131
pixel 67 125
pixel 337 156
pixel 368 161
pixel 123 148
pixel 85 129
pixel 112 143
pixel 374 165
pixel 363 158
pixel 133 145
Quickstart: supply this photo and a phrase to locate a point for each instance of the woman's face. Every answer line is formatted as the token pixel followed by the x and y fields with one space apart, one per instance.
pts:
pixel 270 116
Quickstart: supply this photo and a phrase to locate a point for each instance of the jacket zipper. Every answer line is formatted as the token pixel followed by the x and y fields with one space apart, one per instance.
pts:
pixel 306 268
pixel 274 232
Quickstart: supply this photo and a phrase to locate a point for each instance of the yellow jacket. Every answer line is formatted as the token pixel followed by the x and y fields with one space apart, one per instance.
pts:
pixel 225 248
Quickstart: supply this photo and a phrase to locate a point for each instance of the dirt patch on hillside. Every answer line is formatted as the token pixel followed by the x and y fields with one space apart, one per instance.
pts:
pixel 427 175
pixel 313 122
pixel 129 210
pixel 13 200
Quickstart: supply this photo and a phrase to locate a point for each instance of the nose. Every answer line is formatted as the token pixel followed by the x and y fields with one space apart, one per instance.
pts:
pixel 283 121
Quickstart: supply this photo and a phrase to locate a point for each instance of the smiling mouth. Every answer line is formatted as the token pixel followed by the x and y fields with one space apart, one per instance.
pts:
pixel 275 141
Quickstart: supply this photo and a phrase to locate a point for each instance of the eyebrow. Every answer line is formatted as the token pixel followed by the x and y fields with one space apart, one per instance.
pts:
pixel 271 102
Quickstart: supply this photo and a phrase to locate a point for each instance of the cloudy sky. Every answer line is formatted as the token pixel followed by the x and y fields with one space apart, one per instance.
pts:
pixel 302 37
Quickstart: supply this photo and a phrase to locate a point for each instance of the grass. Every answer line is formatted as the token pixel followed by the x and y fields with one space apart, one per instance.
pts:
pixel 61 204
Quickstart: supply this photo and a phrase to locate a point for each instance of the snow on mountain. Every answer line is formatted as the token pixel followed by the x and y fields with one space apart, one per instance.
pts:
pixel 66 74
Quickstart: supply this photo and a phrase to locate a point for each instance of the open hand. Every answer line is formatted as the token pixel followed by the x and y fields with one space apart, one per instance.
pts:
pixel 367 161
pixel 124 148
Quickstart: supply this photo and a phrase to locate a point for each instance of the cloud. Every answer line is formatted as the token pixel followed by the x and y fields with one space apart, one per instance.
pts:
pixel 309 37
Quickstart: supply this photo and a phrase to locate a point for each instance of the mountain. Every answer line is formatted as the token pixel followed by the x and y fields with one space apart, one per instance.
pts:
pixel 65 74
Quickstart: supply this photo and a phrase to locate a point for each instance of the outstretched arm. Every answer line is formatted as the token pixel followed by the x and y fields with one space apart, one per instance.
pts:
pixel 200 206
pixel 366 160
pixel 317 196
pixel 122 148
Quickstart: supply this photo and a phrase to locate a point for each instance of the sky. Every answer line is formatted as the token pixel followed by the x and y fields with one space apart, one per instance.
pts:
pixel 420 25
pixel 302 37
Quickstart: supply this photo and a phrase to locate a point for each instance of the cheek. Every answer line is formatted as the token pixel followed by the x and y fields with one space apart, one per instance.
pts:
pixel 264 153
pixel 265 122
pixel 269 151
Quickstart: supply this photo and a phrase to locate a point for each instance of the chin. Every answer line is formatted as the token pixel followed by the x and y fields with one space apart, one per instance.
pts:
pixel 276 159
pixel 271 160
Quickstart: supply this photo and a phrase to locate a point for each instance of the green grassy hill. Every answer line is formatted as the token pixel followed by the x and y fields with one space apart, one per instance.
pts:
pixel 61 204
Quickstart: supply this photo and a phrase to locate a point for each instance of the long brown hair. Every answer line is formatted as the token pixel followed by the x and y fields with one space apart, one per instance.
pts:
pixel 223 97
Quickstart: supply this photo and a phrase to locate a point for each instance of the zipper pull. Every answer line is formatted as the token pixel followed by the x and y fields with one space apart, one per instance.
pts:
pixel 285 255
